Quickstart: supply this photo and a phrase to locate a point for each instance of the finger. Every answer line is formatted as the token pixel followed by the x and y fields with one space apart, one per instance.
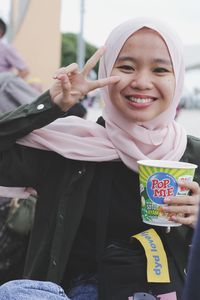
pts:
pixel 181 200
pixel 72 68
pixel 189 220
pixel 183 209
pixel 65 84
pixel 91 63
pixel 103 82
pixel 77 94
pixel 193 186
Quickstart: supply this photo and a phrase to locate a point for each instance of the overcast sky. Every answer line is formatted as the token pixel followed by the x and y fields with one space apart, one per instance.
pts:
pixel 101 16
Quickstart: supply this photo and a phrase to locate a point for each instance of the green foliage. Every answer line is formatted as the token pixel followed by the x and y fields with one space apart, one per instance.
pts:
pixel 69 49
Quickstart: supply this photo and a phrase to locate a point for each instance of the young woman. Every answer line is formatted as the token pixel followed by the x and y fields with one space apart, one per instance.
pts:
pixel 87 179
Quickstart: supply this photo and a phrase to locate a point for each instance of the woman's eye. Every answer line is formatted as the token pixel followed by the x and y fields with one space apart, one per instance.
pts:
pixel 126 68
pixel 160 70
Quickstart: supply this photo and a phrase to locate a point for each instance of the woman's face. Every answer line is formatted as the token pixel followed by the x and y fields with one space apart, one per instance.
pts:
pixel 147 80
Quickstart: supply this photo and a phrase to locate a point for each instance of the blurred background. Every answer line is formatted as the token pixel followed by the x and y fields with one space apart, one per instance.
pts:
pixel 50 34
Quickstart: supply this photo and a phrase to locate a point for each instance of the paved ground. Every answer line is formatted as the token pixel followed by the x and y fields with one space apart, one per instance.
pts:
pixel 190 119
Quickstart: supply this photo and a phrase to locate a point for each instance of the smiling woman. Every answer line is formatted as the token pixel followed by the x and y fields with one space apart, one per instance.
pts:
pixel 91 241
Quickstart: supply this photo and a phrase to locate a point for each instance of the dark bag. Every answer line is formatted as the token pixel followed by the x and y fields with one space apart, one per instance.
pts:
pixel 122 272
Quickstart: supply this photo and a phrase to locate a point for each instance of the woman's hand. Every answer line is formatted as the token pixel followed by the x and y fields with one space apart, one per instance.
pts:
pixel 184 209
pixel 71 85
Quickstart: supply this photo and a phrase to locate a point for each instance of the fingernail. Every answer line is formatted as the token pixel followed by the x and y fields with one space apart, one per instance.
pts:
pixel 165 208
pixel 167 200
pixel 173 218
pixel 115 79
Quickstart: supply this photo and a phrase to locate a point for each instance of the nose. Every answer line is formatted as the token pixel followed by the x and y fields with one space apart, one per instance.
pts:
pixel 142 80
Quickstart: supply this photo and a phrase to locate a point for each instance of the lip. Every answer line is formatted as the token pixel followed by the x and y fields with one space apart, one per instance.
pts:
pixel 140 101
pixel 140 96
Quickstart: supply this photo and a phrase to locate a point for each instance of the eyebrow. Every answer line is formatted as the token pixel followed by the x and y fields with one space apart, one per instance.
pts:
pixel 132 59
pixel 163 61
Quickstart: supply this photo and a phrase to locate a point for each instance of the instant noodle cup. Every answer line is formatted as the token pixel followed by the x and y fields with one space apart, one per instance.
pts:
pixel 159 180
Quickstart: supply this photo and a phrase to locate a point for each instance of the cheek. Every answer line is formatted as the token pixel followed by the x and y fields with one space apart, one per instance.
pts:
pixel 115 89
pixel 125 80
pixel 121 85
pixel 169 88
pixel 172 83
pixel 173 86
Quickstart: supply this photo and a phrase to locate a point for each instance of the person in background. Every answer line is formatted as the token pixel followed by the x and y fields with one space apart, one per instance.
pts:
pixel 10 59
pixel 86 174
pixel 15 91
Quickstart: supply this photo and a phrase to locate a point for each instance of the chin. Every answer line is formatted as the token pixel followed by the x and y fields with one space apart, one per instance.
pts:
pixel 140 119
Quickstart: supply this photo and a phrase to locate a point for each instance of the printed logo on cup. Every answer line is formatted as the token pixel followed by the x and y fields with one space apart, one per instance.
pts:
pixel 160 186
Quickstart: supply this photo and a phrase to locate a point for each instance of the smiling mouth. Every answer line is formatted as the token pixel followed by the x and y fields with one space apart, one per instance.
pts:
pixel 140 100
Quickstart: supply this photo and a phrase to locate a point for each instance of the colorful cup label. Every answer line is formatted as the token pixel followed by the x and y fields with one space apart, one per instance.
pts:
pixel 156 184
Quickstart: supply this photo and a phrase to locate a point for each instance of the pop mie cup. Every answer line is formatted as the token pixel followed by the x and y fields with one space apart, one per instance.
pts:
pixel 159 180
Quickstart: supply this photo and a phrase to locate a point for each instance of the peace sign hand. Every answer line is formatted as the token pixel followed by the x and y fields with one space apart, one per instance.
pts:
pixel 71 85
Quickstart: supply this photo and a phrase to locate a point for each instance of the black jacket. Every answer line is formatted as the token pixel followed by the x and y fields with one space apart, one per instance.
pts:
pixel 62 185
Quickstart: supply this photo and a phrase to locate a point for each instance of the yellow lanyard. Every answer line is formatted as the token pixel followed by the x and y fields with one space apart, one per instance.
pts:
pixel 157 265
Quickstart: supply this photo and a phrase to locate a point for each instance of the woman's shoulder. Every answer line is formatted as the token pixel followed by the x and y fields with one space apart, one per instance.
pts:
pixel 193 138
pixel 193 144
pixel 192 151
pixel 192 154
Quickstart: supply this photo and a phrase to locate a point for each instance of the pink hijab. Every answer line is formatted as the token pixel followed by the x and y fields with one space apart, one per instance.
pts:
pixel 160 138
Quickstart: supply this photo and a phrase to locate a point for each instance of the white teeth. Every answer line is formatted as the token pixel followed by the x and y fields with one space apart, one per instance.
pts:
pixel 140 100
